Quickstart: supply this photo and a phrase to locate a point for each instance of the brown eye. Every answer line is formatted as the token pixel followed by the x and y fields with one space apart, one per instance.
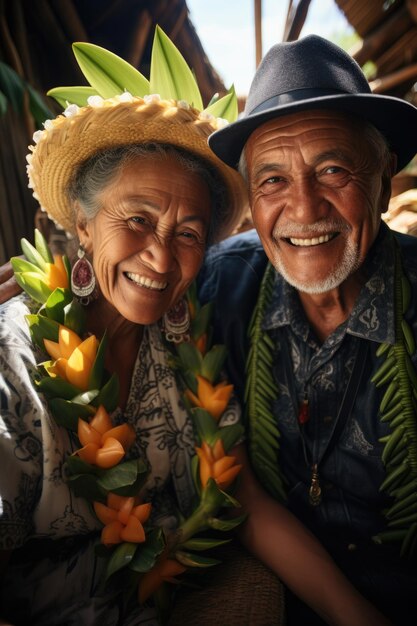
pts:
pixel 334 176
pixel 272 184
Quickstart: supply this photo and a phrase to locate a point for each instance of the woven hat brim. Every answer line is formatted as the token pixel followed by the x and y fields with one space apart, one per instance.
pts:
pixel 396 119
pixel 70 141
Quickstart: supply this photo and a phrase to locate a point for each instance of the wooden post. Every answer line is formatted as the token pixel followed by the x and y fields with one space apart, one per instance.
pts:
pixel 258 31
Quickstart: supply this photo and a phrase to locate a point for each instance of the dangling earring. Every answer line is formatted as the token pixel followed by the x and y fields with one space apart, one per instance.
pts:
pixel 83 280
pixel 176 322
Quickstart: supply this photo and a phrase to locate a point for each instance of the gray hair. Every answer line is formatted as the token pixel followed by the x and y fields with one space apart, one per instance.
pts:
pixel 101 170
pixel 371 134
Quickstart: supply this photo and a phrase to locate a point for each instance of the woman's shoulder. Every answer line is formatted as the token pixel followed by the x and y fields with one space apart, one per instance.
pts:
pixel 13 325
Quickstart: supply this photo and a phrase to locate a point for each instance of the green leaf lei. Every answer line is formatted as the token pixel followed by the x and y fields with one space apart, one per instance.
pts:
pixel 77 408
pixel 398 407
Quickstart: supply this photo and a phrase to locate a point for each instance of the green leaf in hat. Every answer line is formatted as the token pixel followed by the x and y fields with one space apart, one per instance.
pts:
pixel 225 107
pixel 72 95
pixel 170 75
pixel 108 73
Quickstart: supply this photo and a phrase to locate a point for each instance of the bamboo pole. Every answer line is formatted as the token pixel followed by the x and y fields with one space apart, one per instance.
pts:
pixel 258 31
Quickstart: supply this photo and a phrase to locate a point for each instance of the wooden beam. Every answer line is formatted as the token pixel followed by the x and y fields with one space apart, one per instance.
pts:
pixel 389 81
pixel 258 31
pixel 382 37
pixel 296 18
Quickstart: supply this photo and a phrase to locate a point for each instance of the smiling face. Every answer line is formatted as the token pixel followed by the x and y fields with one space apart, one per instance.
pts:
pixel 148 239
pixel 317 192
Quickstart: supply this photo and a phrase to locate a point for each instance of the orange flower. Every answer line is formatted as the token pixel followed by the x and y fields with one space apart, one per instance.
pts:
pixel 201 343
pixel 103 444
pixel 213 398
pixel 56 274
pixel 123 520
pixel 74 358
pixel 163 571
pixel 215 464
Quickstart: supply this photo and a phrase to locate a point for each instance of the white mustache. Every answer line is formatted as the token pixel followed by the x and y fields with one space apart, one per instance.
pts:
pixel 323 227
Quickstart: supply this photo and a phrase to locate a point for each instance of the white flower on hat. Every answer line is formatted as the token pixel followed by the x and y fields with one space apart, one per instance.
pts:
pixel 153 97
pixel 206 116
pixel 95 101
pixel 71 110
pixel 37 136
pixel 182 104
pixel 48 124
pixel 126 96
pixel 221 123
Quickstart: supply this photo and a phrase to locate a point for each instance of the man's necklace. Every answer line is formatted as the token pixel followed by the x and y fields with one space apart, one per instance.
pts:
pixel 398 408
pixel 314 458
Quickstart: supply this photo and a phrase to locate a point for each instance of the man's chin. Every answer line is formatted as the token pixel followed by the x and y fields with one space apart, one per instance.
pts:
pixel 313 285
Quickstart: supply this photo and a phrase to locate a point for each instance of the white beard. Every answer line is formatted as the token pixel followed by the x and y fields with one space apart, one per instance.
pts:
pixel 347 265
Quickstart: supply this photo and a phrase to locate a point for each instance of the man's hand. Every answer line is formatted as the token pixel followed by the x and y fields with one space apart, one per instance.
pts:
pixel 8 285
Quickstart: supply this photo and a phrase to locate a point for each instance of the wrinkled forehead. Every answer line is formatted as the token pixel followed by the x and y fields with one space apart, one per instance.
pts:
pixel 305 120
pixel 312 131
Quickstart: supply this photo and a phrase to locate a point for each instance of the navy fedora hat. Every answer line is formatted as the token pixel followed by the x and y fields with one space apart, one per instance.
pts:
pixel 313 73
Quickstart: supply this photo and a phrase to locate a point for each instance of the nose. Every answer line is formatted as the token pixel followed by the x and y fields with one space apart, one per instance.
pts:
pixel 158 255
pixel 307 202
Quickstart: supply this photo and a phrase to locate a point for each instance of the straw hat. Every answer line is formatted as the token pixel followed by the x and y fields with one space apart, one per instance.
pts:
pixel 106 122
pixel 80 132
pixel 313 73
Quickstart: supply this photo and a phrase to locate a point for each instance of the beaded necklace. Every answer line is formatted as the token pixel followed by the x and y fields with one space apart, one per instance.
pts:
pixel 398 408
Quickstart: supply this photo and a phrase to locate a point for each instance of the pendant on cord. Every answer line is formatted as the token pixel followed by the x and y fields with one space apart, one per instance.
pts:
pixel 303 412
pixel 315 489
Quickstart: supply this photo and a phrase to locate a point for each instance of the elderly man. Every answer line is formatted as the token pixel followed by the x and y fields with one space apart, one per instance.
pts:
pixel 331 291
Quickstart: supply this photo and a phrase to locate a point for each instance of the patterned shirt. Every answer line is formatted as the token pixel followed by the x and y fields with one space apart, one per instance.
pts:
pixel 57 582
pixel 351 470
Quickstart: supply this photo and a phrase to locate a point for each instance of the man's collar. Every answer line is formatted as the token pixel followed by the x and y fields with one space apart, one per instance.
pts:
pixel 373 314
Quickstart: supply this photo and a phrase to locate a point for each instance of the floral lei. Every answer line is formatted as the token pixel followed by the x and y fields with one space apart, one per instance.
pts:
pixel 398 408
pixel 81 395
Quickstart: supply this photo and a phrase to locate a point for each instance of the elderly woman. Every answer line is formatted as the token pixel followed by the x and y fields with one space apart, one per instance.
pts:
pixel 134 180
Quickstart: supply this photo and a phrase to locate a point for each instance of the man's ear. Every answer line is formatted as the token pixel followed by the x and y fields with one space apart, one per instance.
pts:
pixel 83 228
pixel 387 176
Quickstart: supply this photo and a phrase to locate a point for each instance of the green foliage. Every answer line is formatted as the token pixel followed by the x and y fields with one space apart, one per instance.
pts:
pixel 12 92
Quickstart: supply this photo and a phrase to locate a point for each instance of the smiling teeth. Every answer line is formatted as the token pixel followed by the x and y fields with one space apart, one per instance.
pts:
pixel 146 282
pixel 315 241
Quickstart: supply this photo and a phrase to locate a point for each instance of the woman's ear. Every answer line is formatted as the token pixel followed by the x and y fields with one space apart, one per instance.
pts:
pixel 83 228
pixel 386 182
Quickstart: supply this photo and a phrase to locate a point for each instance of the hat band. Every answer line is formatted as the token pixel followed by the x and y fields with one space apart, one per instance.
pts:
pixel 295 96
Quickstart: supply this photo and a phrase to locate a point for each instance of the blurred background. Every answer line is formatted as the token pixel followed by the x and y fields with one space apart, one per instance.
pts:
pixel 222 41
